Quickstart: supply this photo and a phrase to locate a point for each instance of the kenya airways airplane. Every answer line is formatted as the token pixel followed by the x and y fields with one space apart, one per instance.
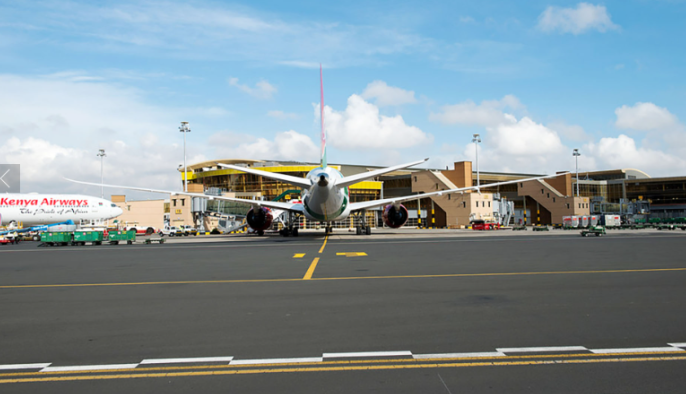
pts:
pixel 36 209
pixel 325 194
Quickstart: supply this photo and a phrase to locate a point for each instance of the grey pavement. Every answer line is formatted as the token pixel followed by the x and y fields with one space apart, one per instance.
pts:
pixel 244 296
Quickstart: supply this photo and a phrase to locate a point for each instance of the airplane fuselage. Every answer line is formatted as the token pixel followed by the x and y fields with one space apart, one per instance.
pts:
pixel 324 201
pixel 35 209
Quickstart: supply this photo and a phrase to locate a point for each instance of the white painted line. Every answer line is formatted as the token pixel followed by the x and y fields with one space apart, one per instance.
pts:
pixel 186 360
pixel 23 366
pixel 278 361
pixel 368 354
pixel 460 355
pixel 677 344
pixel 89 367
pixel 541 349
pixel 638 350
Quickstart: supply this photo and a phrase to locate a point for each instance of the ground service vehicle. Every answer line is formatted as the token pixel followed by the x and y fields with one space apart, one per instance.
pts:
pixel 188 230
pixel 140 230
pixel 168 230
pixel 484 225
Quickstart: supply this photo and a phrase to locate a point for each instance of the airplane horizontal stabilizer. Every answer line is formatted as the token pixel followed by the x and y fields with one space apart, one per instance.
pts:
pixel 293 180
pixel 353 179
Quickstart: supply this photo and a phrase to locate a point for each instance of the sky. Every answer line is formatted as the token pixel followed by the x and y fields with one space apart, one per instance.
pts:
pixel 402 81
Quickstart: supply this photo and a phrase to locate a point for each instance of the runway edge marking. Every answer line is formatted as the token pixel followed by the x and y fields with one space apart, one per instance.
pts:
pixel 186 360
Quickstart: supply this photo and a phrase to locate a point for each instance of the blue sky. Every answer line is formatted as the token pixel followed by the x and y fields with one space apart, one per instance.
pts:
pixel 403 81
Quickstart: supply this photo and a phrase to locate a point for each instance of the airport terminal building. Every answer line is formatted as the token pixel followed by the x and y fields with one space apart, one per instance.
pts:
pixel 544 202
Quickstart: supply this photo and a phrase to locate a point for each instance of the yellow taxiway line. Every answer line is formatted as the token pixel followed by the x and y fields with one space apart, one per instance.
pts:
pixel 323 246
pixel 392 365
pixel 344 362
pixel 195 282
pixel 310 271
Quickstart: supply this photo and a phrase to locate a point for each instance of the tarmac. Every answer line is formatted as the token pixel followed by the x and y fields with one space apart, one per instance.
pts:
pixel 442 311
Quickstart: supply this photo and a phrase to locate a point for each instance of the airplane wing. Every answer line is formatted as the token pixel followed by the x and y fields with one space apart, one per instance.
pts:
pixel 293 180
pixel 356 206
pixel 269 204
pixel 353 179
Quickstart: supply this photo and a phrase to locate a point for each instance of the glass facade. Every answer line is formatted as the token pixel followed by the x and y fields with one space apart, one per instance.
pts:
pixel 249 185
pixel 668 191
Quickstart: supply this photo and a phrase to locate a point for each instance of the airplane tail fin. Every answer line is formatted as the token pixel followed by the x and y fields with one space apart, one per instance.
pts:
pixel 321 108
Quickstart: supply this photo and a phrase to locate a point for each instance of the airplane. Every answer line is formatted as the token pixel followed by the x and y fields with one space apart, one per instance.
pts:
pixel 35 210
pixel 325 194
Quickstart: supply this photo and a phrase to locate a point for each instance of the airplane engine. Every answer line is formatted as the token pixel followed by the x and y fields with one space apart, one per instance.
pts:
pixel 259 218
pixel 395 217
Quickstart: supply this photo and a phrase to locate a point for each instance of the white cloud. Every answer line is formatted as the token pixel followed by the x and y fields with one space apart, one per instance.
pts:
pixel 53 127
pixel 361 126
pixel 512 145
pixel 488 113
pixel 209 29
pixel 300 64
pixel 570 132
pixel 525 137
pixel 645 117
pixel 287 145
pixel 282 115
pixel 466 19
pixel 262 89
pixel 622 152
pixel 387 95
pixel 577 20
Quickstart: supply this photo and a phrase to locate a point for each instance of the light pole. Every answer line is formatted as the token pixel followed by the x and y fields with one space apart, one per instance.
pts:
pixel 476 140
pixel 576 157
pixel 184 129
pixel 101 154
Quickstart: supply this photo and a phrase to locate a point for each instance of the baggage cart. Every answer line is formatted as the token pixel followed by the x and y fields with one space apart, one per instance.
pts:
pixel 114 237
pixel 61 238
pixel 597 231
pixel 94 237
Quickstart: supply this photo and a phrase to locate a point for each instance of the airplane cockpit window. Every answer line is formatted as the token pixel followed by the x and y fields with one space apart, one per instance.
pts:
pixel 114 205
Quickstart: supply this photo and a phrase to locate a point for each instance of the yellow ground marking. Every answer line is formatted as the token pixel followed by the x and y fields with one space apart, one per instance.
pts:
pixel 351 254
pixel 299 255
pixel 340 368
pixel 323 246
pixel 201 282
pixel 310 271
pixel 338 362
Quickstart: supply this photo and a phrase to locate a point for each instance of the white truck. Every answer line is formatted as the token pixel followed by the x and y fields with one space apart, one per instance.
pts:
pixel 173 231
pixel 169 231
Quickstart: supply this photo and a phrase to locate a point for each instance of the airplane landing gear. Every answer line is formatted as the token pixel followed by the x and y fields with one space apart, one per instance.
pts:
pixel 362 227
pixel 290 229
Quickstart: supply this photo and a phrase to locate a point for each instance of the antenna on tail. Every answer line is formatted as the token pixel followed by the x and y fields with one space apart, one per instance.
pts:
pixel 321 108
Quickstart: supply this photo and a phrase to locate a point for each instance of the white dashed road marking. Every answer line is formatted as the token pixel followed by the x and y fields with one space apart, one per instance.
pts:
pixel 500 352
pixel 186 360
pixel 542 349
pixel 89 367
pixel 637 350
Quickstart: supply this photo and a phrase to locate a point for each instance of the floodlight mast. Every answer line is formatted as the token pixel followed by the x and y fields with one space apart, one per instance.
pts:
pixel 476 140
pixel 101 154
pixel 576 155
pixel 184 129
